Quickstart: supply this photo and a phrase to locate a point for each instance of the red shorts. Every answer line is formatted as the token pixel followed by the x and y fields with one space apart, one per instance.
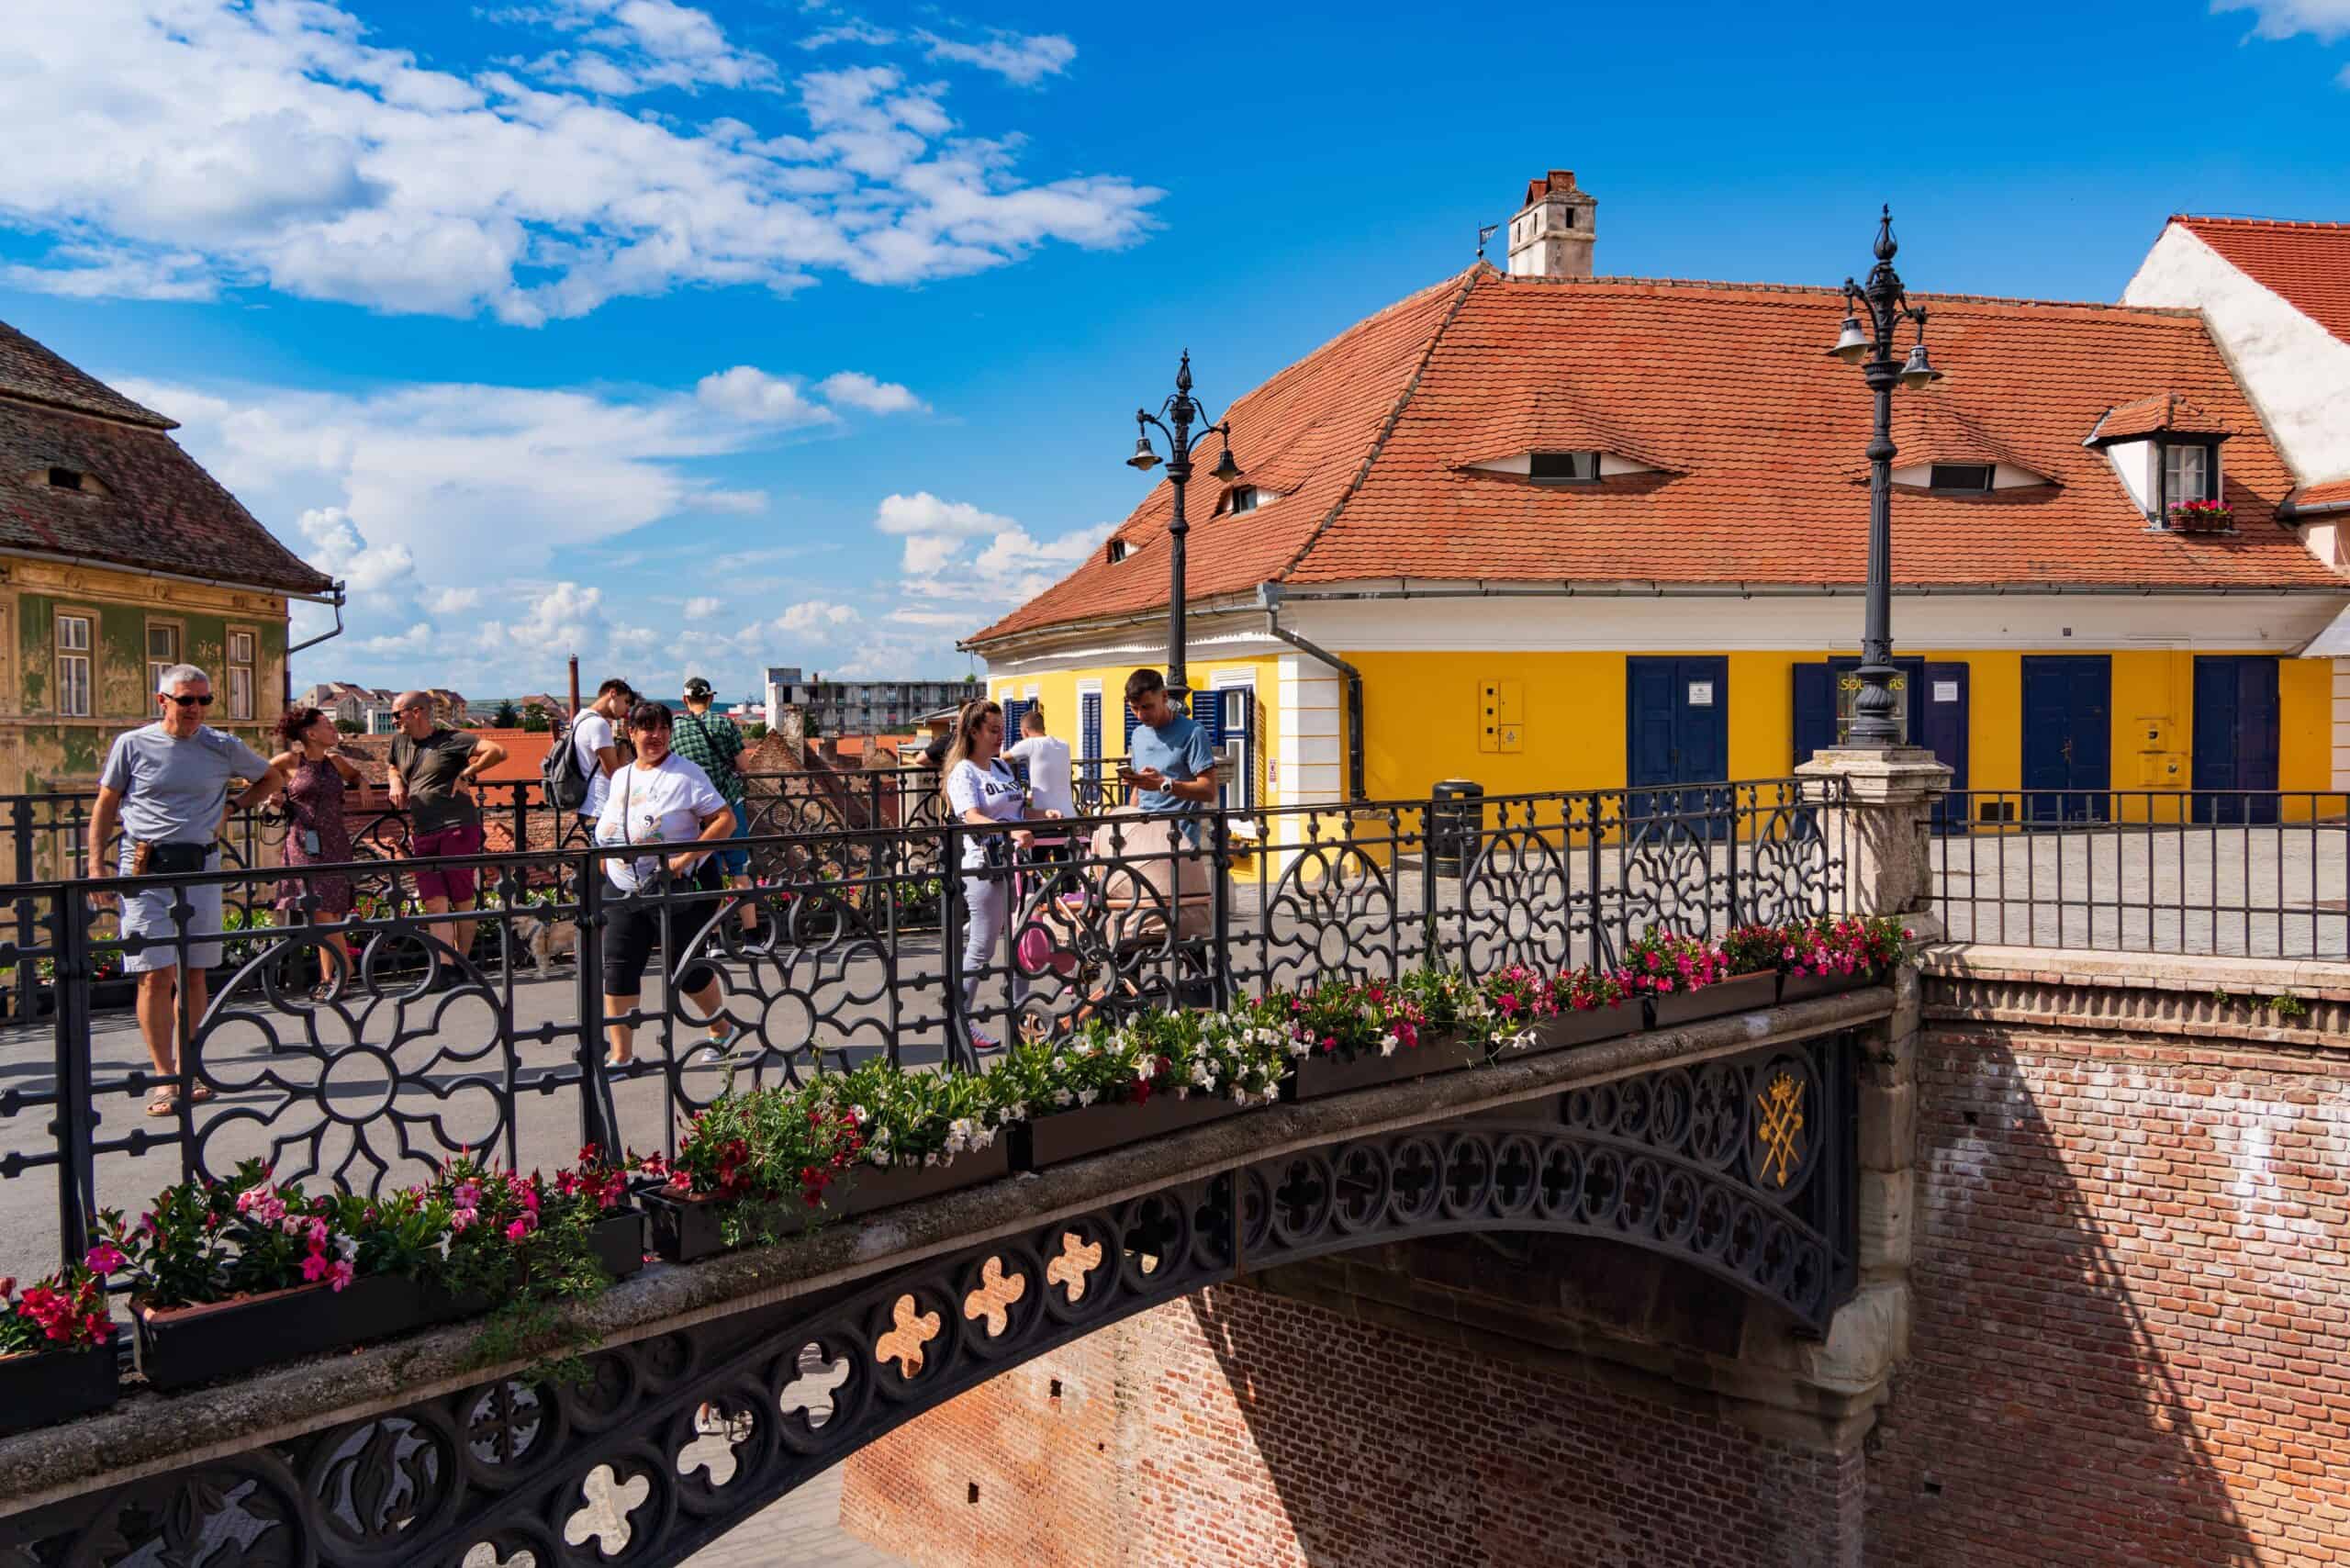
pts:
pixel 454 884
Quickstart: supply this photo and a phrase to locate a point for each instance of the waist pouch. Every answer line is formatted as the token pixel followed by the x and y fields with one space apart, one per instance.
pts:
pixel 164 859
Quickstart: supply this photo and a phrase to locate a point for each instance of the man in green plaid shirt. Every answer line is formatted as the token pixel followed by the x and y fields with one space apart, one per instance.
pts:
pixel 713 743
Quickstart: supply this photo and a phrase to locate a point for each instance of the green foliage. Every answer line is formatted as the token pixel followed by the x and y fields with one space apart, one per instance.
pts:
pixel 536 721
pixel 2289 1007
pixel 508 716
pixel 757 730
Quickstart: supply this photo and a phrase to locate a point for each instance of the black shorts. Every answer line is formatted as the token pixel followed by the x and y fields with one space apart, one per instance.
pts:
pixel 633 929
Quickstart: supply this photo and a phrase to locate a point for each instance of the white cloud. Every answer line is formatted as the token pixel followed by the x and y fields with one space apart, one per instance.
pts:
pixel 337 549
pixel 2327 19
pixel 854 30
pixel 748 393
pixel 963 566
pixel 924 513
pixel 1022 61
pixel 704 609
pixel 453 601
pixel 816 616
pixel 857 390
pixel 176 147
pixel 415 639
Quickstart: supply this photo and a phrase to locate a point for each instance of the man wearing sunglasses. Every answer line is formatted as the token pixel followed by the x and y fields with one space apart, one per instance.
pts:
pixel 168 785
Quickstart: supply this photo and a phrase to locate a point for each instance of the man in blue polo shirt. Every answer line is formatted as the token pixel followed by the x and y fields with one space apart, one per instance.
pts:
pixel 1172 768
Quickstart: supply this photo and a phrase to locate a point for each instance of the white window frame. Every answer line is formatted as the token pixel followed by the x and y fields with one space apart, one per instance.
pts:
pixel 156 667
pixel 73 657
pixel 242 672
pixel 1242 761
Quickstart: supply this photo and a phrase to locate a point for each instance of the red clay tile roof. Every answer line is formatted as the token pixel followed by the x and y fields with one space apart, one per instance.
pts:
pixel 157 509
pixel 2155 416
pixel 1732 382
pixel 2306 264
pixel 30 371
pixel 2332 495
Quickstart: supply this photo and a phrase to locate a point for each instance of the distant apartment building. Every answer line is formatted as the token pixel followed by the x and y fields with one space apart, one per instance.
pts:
pixel 860 707
pixel 370 707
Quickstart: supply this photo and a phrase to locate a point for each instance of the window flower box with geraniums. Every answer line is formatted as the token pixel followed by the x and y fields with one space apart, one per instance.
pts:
pixel 57 1356
pixel 227 1276
pixel 1344 1035
pixel 1835 953
pixel 1583 1006
pixel 1668 971
pixel 2202 517
pixel 1111 1085
pixel 520 1248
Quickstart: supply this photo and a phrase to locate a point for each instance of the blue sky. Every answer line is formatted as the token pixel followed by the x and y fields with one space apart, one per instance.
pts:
pixel 769 331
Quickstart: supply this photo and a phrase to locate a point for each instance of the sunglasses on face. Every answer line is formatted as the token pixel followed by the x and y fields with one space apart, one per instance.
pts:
pixel 203 702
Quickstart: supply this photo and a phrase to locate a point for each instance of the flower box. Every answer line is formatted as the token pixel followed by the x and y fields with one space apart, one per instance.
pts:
pixel 40 1388
pixel 617 1240
pixel 1803 988
pixel 1090 1129
pixel 687 1228
pixel 180 1345
pixel 1740 993
pixel 1315 1076
pixel 1578 1027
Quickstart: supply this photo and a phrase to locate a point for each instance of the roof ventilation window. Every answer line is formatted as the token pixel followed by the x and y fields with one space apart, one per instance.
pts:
pixel 1117 551
pixel 1246 498
pixel 1963 476
pixel 59 478
pixel 1564 468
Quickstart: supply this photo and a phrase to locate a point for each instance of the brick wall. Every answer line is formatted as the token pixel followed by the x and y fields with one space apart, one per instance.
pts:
pixel 2130 1340
pixel 1242 1428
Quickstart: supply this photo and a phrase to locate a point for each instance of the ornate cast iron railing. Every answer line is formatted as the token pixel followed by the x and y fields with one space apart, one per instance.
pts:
pixel 1737 1166
pixel 359 1051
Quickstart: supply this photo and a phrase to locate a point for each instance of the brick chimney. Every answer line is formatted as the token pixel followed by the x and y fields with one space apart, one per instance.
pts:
pixel 1553 233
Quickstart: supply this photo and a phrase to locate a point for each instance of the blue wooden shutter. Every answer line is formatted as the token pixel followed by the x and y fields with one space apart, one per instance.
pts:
pixel 1815 709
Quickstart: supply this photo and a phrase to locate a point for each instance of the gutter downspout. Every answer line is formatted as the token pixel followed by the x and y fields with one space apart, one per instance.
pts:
pixel 1268 600
pixel 286 697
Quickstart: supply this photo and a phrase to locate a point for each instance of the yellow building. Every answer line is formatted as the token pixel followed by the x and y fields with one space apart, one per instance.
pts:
pixel 1550 531
pixel 120 556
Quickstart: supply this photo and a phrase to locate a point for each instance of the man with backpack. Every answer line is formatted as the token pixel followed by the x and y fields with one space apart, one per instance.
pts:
pixel 586 750
pixel 716 745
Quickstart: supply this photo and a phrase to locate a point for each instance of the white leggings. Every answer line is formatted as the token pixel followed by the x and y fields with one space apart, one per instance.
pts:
pixel 986 901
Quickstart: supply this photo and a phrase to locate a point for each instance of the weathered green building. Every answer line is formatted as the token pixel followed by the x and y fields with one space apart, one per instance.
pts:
pixel 119 555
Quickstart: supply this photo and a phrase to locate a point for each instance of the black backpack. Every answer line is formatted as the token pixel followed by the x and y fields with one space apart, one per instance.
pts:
pixel 560 775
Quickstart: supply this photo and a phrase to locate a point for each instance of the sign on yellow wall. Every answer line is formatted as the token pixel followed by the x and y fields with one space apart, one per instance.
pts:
pixel 1501 716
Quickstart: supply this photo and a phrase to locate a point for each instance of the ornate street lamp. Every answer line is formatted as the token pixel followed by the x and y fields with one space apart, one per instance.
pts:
pixel 1867 341
pixel 1182 410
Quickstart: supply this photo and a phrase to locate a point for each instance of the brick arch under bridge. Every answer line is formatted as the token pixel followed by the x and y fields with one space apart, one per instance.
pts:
pixel 1740 1166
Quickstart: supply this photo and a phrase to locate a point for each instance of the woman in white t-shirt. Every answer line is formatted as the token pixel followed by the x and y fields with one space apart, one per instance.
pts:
pixel 981 789
pixel 659 799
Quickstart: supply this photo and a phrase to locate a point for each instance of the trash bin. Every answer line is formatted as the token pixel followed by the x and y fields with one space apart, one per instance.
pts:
pixel 1456 814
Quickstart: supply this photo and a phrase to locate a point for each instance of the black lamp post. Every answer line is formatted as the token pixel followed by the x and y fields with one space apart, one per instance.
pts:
pixel 1872 348
pixel 1182 410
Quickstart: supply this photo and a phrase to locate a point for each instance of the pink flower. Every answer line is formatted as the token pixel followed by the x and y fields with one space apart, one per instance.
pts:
pixel 315 1266
pixel 466 1195
pixel 519 1229
pixel 341 1274
pixel 462 1219
pixel 102 1259
pixel 317 1233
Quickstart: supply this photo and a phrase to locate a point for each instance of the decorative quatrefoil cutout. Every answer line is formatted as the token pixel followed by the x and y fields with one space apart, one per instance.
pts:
pixel 1079 1259
pixel 903 1344
pixel 994 1299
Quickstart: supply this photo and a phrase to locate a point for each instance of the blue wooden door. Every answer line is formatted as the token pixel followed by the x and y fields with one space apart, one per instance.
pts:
pixel 2067 737
pixel 1677 733
pixel 2235 738
pixel 1939 719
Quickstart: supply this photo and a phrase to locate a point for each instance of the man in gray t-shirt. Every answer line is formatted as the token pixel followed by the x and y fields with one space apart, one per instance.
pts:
pixel 168 785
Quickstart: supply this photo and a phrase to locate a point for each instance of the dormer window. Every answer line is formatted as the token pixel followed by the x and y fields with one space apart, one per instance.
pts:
pixel 1565 468
pixel 59 478
pixel 1967 478
pixel 1244 498
pixel 1117 550
pixel 2190 472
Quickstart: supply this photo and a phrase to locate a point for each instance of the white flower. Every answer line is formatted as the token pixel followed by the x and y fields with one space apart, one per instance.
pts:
pixel 1087 1096
pixel 881 1139
pixel 983 1138
pixel 931 1158
pixel 1387 1044
pixel 348 1246
pixel 859 1113
pixel 1143 1075
pixel 1062 1097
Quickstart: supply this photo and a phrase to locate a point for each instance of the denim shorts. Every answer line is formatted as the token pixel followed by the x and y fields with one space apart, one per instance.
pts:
pixel 736 862
pixel 148 914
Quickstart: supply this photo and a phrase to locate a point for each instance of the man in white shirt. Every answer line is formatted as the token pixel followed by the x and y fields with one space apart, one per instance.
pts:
pixel 1047 759
pixel 595 742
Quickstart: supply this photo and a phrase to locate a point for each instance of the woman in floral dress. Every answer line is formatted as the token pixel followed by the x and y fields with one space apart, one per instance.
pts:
pixel 317 774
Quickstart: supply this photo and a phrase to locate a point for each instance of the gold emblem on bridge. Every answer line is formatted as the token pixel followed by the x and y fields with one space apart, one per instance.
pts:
pixel 1781 1129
